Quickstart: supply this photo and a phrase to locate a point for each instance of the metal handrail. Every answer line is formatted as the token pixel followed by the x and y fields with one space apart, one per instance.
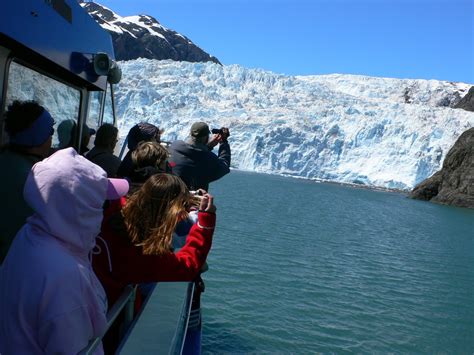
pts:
pixel 180 337
pixel 125 302
pixel 122 149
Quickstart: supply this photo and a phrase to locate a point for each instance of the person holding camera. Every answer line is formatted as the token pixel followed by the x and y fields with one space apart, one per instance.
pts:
pixel 193 160
pixel 136 241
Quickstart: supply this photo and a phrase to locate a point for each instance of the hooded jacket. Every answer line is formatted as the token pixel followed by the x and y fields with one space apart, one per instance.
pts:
pixel 50 299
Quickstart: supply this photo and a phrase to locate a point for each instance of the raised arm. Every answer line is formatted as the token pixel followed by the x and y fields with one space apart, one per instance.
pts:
pixel 185 264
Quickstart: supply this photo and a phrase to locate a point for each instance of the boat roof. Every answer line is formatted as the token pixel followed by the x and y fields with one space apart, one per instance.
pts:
pixel 59 33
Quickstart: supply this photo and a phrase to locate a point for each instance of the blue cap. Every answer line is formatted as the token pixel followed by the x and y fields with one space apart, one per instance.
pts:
pixel 37 133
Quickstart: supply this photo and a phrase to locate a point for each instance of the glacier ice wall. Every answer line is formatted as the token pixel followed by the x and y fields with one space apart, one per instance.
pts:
pixel 351 129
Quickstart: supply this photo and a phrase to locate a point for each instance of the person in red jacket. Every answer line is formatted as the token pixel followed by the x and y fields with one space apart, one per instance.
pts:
pixel 135 241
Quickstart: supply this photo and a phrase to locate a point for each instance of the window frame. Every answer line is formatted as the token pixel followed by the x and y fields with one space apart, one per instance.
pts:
pixel 85 95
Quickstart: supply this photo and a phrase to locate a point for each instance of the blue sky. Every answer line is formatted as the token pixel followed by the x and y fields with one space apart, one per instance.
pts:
pixel 421 39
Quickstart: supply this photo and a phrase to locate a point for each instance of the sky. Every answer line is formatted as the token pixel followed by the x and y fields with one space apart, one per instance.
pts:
pixel 417 39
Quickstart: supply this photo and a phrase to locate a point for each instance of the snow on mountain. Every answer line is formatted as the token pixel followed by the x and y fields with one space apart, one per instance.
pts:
pixel 128 24
pixel 142 36
pixel 351 129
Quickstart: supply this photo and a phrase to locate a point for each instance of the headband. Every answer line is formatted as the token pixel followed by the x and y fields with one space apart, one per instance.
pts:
pixel 37 133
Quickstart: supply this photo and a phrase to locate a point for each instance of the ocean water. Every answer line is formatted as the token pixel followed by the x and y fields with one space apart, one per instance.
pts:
pixel 304 267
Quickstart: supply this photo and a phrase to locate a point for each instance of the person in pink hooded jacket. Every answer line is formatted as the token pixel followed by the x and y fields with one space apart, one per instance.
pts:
pixel 50 299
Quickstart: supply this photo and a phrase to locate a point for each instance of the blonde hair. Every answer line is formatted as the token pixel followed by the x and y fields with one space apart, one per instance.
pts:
pixel 152 213
pixel 149 154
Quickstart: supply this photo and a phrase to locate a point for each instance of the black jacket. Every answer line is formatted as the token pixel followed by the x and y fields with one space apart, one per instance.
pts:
pixel 138 177
pixel 197 165
pixel 125 168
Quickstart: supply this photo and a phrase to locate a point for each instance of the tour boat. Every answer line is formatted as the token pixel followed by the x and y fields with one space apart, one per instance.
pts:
pixel 52 51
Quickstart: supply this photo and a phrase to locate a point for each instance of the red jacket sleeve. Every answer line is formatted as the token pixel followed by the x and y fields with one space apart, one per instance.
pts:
pixel 182 266
pixel 120 263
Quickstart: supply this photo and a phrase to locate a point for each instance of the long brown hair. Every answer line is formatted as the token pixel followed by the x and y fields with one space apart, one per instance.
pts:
pixel 151 214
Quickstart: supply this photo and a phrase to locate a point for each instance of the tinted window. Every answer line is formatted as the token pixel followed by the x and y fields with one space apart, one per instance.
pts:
pixel 59 99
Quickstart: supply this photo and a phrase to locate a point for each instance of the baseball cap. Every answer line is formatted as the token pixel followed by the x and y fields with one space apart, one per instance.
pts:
pixel 200 129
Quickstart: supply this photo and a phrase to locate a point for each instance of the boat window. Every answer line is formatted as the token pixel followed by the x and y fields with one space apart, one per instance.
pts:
pixel 108 109
pixel 93 118
pixel 59 99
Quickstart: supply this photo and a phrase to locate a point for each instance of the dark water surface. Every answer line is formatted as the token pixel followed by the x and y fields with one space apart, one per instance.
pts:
pixel 304 267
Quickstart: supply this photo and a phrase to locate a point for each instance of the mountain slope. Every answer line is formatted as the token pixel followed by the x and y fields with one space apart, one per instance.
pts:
pixel 143 36
pixel 467 102
pixel 350 129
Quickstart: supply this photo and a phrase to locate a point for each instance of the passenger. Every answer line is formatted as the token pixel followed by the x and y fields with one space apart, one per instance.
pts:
pixel 87 133
pixel 50 300
pixel 103 152
pixel 142 131
pixel 67 131
pixel 193 160
pixel 137 235
pixel 149 158
pixel 30 128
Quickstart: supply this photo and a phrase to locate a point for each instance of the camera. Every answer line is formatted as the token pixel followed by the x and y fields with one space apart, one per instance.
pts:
pixel 217 131
pixel 197 195
pixel 195 199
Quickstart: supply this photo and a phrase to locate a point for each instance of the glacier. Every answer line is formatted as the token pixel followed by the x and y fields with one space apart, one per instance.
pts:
pixel 378 132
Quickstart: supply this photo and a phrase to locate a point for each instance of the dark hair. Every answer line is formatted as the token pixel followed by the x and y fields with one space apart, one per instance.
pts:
pixel 20 115
pixel 149 154
pixel 106 135
pixel 143 131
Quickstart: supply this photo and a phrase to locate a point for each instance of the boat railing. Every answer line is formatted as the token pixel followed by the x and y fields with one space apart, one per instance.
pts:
pixel 162 323
pixel 126 304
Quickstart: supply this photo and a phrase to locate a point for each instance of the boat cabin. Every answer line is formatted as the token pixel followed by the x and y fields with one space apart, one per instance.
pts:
pixel 53 52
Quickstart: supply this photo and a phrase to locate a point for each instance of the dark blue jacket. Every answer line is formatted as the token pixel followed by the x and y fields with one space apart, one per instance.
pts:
pixel 197 165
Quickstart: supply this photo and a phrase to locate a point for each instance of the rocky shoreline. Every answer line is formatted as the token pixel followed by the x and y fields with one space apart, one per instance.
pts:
pixel 454 183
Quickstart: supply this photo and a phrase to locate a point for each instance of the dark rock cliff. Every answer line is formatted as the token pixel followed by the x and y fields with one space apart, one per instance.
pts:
pixel 467 102
pixel 454 183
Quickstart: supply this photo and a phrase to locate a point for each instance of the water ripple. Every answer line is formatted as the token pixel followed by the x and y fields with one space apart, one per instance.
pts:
pixel 332 269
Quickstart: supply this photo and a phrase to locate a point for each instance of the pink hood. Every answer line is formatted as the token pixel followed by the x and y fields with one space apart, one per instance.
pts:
pixel 50 299
pixel 67 193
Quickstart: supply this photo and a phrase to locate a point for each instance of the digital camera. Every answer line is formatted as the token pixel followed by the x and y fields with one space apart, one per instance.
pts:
pixel 197 195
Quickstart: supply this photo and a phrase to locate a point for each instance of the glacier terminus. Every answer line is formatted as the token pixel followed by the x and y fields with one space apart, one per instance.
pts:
pixel 379 132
